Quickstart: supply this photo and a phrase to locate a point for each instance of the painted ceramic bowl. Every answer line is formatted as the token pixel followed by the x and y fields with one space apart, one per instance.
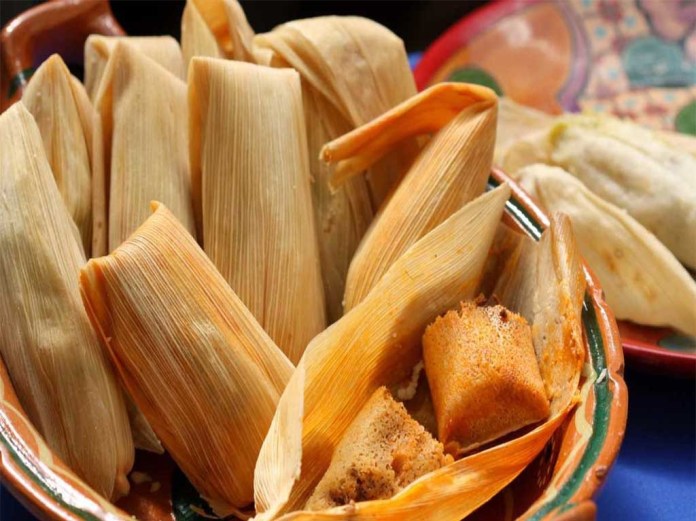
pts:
pixel 559 484
pixel 631 58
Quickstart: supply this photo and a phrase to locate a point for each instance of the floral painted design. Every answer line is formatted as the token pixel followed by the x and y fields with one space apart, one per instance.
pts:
pixel 643 58
pixel 671 20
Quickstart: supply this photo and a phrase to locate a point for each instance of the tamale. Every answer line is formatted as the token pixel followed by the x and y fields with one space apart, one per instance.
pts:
pixel 251 190
pixel 450 171
pixel 343 86
pixel 196 37
pixel 520 128
pixel 627 165
pixel 383 332
pixel 52 354
pixel 216 29
pixel 342 216
pixel 53 97
pixel 144 138
pixel 430 277
pixel 483 375
pixel 190 354
pixel 544 282
pixel 642 280
pixel 164 50
pixel 382 451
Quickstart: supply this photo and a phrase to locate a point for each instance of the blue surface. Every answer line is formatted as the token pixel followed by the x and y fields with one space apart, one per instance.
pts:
pixel 655 475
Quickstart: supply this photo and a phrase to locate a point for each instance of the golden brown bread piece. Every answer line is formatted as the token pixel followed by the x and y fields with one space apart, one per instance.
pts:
pixel 382 451
pixel 483 375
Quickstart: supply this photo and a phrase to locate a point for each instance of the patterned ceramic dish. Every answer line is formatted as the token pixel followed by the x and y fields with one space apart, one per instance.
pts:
pixel 633 58
pixel 559 484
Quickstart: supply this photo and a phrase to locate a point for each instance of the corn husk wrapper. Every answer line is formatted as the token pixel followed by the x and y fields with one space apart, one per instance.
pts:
pixel 520 129
pixel 164 50
pixel 216 29
pixel 544 282
pixel 53 356
pixel 642 280
pixel 384 333
pixel 196 37
pixel 628 166
pixel 342 216
pixel 361 68
pixel 343 87
pixel 144 144
pixel 64 117
pixel 450 171
pixel 193 358
pixel 252 190
pixel 517 134
pixel 432 276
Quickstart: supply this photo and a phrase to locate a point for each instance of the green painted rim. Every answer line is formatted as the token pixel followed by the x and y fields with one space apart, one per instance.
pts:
pixel 45 483
pixel 602 412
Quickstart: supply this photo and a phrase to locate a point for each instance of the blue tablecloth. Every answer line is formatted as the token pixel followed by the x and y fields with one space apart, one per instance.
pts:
pixel 655 475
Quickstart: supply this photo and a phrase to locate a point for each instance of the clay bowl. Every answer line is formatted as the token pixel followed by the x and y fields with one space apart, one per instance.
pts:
pixel 559 484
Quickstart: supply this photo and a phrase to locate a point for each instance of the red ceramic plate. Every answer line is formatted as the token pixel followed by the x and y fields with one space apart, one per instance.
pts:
pixel 628 58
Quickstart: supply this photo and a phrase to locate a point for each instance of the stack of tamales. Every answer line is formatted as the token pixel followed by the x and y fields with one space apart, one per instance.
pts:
pixel 236 199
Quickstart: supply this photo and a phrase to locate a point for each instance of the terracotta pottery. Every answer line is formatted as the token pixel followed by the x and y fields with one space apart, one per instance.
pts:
pixel 558 485
pixel 59 26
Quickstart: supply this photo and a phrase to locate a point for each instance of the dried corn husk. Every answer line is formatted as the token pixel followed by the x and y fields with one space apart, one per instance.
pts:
pixel 520 127
pixel 628 166
pixel 196 37
pixel 217 29
pixel 61 376
pixel 516 123
pixel 191 355
pixel 64 117
pixel 164 50
pixel 343 87
pixel 357 65
pixel 545 283
pixel 450 171
pixel 383 332
pixel 251 184
pixel 144 138
pixel 342 216
pixel 642 280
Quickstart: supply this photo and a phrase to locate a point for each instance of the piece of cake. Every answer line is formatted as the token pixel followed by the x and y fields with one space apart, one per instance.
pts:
pixel 483 375
pixel 381 452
